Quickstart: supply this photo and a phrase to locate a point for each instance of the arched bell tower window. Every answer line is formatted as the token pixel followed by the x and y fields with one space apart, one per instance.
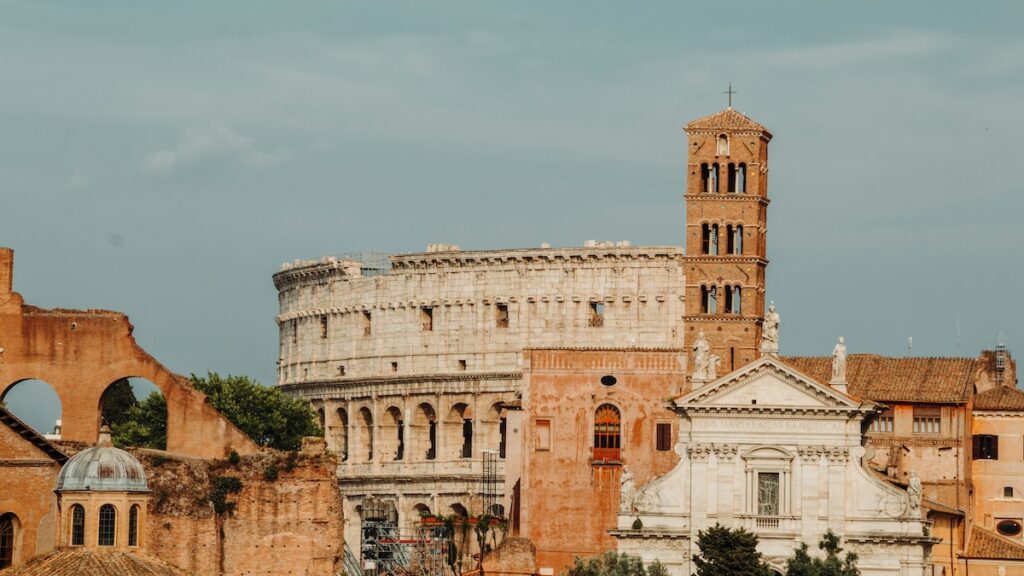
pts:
pixel 723 145
pixel 77 525
pixel 709 299
pixel 741 178
pixel 705 238
pixel 607 433
pixel 705 176
pixel 714 240
pixel 732 300
pixel 108 520
pixel 737 242
pixel 713 181
pixel 731 181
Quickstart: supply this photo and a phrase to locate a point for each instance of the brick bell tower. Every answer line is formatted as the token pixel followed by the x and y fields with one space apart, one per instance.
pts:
pixel 726 222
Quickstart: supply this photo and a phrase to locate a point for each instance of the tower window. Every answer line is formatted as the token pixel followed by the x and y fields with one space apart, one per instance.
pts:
pixel 705 178
pixel 723 145
pixel 323 326
pixel 732 299
pixel 295 331
pixel 737 242
pixel 713 182
pixel 427 318
pixel 714 240
pixel 705 238
pixel 77 525
pixel 501 315
pixel 741 178
pixel 607 433
pixel 108 519
pixel 709 299
pixel 731 178
pixel 596 314
pixel 737 300
pixel 133 525
pixel 367 323
pixel 730 239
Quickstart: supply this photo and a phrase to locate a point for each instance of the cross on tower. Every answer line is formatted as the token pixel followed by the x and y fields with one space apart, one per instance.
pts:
pixel 730 92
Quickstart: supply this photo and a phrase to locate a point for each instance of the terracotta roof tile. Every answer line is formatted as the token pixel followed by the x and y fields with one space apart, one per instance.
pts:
pixel 989 545
pixel 1000 398
pixel 84 562
pixel 884 379
pixel 26 432
pixel 728 119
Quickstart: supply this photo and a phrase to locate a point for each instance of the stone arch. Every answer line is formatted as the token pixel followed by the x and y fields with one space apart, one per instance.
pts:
pixel 24 398
pixel 493 428
pixel 392 434
pixel 364 437
pixel 341 434
pixel 459 430
pixel 119 396
pixel 458 510
pixel 424 432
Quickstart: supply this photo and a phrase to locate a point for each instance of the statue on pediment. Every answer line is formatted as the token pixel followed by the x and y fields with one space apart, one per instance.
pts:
pixel 770 331
pixel 701 358
pixel 839 361
pixel 914 494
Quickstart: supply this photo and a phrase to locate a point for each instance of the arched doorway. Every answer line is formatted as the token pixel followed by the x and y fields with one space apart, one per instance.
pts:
pixel 136 411
pixel 37 404
pixel 9 527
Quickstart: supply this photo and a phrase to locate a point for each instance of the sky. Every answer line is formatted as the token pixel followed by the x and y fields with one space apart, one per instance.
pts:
pixel 164 159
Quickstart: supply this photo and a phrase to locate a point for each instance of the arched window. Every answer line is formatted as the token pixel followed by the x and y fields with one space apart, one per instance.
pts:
pixel 730 245
pixel 737 300
pixel 607 433
pixel 714 240
pixel 705 238
pixel 709 299
pixel 731 181
pixel 6 540
pixel 741 178
pixel 723 145
pixel 77 525
pixel 737 242
pixel 366 432
pixel 424 424
pixel 705 174
pixel 341 434
pixel 133 525
pixel 713 182
pixel 108 520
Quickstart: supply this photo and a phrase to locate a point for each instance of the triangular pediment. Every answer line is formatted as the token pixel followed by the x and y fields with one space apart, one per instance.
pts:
pixel 767 382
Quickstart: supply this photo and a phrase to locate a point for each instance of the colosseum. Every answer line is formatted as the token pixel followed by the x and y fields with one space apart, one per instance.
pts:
pixel 413 360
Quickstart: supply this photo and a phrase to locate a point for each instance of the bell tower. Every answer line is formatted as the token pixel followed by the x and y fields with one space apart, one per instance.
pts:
pixel 726 222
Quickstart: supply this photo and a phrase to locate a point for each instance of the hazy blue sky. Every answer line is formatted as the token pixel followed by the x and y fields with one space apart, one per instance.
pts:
pixel 163 159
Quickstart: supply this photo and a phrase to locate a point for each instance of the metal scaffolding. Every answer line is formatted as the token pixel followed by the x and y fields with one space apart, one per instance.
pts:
pixel 388 550
pixel 489 494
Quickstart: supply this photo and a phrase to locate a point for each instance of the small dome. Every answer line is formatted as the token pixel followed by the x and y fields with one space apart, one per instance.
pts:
pixel 102 469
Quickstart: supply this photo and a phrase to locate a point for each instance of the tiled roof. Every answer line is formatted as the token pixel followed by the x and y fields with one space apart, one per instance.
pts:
pixel 728 119
pixel 26 432
pixel 985 544
pixel 1000 398
pixel 884 379
pixel 84 562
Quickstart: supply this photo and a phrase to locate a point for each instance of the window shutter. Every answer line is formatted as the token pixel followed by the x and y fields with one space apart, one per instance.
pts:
pixel 975 447
pixel 995 447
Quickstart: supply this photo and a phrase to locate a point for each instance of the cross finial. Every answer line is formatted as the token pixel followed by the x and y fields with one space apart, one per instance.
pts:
pixel 730 92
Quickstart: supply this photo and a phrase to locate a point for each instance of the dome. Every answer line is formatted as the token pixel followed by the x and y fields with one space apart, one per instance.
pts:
pixel 102 469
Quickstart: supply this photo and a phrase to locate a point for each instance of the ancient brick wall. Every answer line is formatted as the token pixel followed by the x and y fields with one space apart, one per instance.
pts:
pixel 291 525
pixel 27 478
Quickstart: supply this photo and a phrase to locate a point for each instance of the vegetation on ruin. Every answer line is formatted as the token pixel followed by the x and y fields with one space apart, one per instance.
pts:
pixel 134 423
pixel 801 564
pixel 728 552
pixel 613 564
pixel 222 486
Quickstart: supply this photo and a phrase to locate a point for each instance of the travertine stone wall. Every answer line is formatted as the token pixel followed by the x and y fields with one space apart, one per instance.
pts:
pixel 440 338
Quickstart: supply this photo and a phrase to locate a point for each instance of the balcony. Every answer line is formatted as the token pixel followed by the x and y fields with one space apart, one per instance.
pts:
pixel 761 524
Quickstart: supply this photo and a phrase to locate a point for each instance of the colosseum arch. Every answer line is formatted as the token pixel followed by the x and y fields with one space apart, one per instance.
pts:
pixel 364 435
pixel 80 352
pixel 458 430
pixel 424 432
pixel 392 435
pixel 492 429
pixel 340 434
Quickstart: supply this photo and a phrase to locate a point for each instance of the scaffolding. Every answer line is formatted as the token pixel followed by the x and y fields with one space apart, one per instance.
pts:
pixel 389 550
pixel 489 493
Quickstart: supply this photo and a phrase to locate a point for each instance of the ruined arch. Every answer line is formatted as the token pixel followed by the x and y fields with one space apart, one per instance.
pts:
pixel 364 437
pixel 459 430
pixel 392 434
pixel 424 432
pixel 121 396
pixel 37 403
pixel 341 434
pixel 493 429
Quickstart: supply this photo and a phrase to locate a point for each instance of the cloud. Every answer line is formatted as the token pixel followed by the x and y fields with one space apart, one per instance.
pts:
pixel 209 141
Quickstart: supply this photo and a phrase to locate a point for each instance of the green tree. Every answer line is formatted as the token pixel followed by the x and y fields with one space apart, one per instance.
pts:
pixel 143 424
pixel 801 564
pixel 117 402
pixel 727 552
pixel 266 414
pixel 613 564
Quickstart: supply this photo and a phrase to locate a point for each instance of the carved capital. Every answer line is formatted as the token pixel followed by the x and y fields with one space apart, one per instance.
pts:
pixel 700 452
pixel 724 451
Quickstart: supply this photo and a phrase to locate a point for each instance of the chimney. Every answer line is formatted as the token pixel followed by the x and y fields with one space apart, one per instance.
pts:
pixel 6 271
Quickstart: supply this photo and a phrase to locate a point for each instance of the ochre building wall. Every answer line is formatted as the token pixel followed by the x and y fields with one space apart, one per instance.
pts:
pixel 27 478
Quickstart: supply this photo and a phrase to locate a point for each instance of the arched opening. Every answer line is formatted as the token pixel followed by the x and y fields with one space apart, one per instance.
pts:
pixel 737 241
pixel 493 429
pixel 459 511
pixel 496 510
pixel 420 510
pixel 9 526
pixel 723 145
pixel 713 182
pixel 709 299
pixel 714 240
pixel 392 435
pixel 77 525
pixel 459 430
pixel 133 525
pixel 36 403
pixel 705 175
pixel 341 435
pixel 107 525
pixel 136 412
pixel 741 178
pixel 705 238
pixel 424 425
pixel 321 417
pixel 607 433
pixel 366 433
pixel 731 178
pixel 730 245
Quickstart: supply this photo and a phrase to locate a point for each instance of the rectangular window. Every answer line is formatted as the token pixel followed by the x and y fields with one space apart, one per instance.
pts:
pixel 542 435
pixel 501 315
pixel 323 326
pixel 462 365
pixel 394 366
pixel 767 493
pixel 883 423
pixel 295 331
pixel 1007 491
pixel 367 324
pixel 664 436
pixel 596 314
pixel 985 447
pixel 427 318
pixel 927 420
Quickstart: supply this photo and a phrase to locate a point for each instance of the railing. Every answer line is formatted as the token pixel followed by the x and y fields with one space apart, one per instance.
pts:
pixel 768 522
pixel 765 523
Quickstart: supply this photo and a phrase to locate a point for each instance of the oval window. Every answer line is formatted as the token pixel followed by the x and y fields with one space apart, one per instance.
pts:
pixel 1009 527
pixel 608 380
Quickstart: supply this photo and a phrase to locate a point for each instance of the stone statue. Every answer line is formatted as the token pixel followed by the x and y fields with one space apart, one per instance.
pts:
pixel 914 492
pixel 839 361
pixel 627 489
pixel 713 361
pixel 770 331
pixel 701 357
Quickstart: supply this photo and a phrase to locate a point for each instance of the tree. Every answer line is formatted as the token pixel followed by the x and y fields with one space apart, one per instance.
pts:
pixel 270 417
pixel 613 564
pixel 727 552
pixel 117 402
pixel 801 564
pixel 143 424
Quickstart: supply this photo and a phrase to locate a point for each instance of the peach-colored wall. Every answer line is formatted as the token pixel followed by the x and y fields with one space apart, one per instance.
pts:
pixel 27 478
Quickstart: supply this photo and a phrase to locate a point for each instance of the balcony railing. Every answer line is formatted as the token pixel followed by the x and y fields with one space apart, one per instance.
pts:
pixel 771 524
